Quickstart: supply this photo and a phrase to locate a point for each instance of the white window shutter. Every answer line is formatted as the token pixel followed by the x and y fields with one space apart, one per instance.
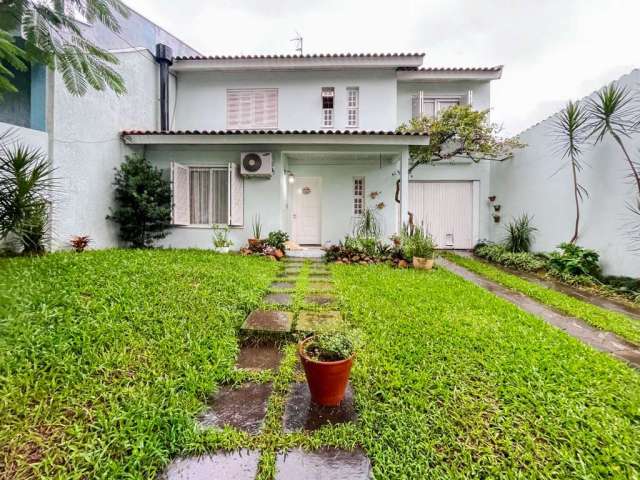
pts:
pixel 180 192
pixel 415 107
pixel 236 196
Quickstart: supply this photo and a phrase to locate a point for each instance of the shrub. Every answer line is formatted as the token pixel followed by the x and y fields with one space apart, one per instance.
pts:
pixel 520 234
pixel 25 183
pixel 143 199
pixel 416 242
pixel 360 249
pixel 80 242
pixel 277 239
pixel 524 261
pixel 368 224
pixel 575 261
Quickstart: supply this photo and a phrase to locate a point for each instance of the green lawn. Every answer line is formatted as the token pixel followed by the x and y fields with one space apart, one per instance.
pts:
pixel 598 317
pixel 105 359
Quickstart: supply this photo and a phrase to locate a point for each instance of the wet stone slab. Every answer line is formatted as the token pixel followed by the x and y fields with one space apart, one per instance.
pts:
pixel 320 286
pixel 323 464
pixel 302 414
pixel 278 298
pixel 240 465
pixel 281 285
pixel 268 321
pixel 241 407
pixel 318 321
pixel 320 299
pixel 259 356
pixel 319 274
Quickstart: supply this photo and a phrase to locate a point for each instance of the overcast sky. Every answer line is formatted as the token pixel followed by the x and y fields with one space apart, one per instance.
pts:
pixel 552 50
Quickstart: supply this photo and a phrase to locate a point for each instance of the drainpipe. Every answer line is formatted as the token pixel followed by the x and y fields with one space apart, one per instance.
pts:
pixel 164 57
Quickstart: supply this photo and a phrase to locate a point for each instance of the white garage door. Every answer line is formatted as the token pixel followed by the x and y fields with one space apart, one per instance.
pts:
pixel 445 209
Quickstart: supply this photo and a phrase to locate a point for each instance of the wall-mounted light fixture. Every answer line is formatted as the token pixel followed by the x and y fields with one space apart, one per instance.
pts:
pixel 291 177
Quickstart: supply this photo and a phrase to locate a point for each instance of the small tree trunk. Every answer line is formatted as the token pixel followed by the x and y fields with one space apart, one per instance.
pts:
pixel 576 195
pixel 636 176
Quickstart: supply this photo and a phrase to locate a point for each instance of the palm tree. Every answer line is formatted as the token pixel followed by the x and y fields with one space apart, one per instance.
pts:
pixel 614 112
pixel 570 134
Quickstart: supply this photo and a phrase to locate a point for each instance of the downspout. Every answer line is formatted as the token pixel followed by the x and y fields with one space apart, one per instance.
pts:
pixel 164 57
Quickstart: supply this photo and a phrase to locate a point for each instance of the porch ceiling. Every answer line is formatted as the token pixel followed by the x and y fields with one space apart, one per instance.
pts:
pixel 339 158
pixel 265 137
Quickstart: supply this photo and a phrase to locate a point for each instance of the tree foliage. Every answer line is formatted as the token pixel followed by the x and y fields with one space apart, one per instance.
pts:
pixel 143 202
pixel 50 33
pixel 458 131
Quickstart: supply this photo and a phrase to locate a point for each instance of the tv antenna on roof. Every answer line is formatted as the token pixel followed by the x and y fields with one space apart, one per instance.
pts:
pixel 299 40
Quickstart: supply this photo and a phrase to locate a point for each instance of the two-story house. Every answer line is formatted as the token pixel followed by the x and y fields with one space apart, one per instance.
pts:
pixel 306 142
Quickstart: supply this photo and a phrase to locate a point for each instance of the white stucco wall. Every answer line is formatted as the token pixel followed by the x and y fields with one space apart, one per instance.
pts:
pixel 529 184
pixel 87 148
pixel 26 136
pixel 202 97
pixel 481 96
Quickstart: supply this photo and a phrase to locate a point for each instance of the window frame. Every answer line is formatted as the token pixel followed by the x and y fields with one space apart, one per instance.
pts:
pixel 355 109
pixel 436 99
pixel 327 113
pixel 358 196
pixel 211 169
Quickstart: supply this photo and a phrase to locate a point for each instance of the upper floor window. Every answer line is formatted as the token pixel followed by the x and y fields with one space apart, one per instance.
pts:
pixel 328 104
pixel 432 106
pixel 353 106
pixel 252 108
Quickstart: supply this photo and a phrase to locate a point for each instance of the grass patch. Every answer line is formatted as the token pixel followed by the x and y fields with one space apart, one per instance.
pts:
pixel 106 359
pixel 599 317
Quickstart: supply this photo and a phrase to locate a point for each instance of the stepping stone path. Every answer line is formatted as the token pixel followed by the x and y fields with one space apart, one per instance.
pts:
pixel 302 414
pixel 245 407
pixel 268 321
pixel 326 463
pixel 242 465
pixel 259 356
pixel 318 321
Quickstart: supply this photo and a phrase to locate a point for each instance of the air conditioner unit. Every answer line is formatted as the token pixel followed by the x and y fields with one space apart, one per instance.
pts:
pixel 256 164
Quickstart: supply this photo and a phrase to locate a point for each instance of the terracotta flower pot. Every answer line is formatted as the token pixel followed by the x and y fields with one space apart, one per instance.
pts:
pixel 422 263
pixel 327 380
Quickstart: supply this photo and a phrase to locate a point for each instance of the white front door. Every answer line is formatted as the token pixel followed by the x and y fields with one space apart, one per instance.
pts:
pixel 445 210
pixel 306 211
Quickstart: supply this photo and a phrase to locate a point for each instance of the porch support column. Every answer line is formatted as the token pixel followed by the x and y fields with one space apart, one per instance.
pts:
pixel 404 186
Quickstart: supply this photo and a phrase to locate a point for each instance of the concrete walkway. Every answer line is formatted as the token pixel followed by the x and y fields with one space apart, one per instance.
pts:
pixel 599 339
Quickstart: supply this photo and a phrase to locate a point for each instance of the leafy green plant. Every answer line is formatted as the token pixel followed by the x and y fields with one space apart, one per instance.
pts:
pixel 221 236
pixel 520 234
pixel 368 224
pixel 277 239
pixel 256 227
pixel 523 261
pixel 26 183
pixel 417 243
pixel 330 346
pixel 575 261
pixel 143 202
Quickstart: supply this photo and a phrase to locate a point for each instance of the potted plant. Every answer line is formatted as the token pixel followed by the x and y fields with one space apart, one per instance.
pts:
pixel 221 240
pixel 255 243
pixel 418 247
pixel 327 359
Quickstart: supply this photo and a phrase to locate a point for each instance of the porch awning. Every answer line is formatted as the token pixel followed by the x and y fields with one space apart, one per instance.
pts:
pixel 264 137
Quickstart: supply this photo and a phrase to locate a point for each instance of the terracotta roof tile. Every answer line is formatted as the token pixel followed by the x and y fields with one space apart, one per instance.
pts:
pixel 268 132
pixel 310 55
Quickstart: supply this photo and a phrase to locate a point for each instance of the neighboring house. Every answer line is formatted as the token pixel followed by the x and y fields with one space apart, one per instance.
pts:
pixel 323 129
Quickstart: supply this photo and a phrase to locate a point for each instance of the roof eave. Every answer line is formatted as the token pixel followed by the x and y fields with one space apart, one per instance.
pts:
pixel 440 75
pixel 179 138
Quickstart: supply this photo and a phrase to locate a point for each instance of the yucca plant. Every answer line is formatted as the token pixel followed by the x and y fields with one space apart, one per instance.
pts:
pixel 368 224
pixel 570 131
pixel 26 183
pixel 614 111
pixel 520 234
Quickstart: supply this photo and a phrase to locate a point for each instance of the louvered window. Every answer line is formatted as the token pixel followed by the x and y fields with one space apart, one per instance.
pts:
pixel 252 108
